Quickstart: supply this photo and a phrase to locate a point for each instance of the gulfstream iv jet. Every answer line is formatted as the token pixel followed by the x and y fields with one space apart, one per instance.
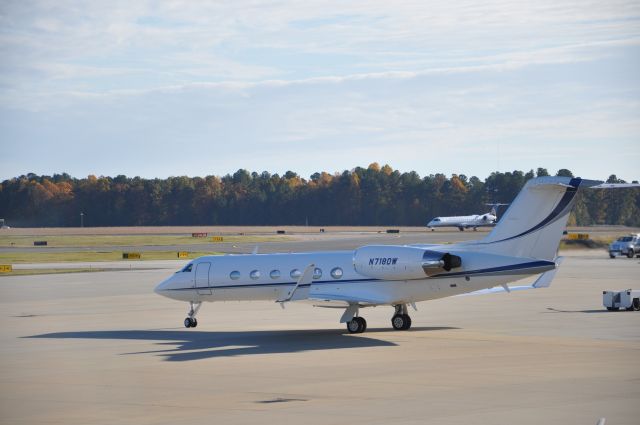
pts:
pixel 524 243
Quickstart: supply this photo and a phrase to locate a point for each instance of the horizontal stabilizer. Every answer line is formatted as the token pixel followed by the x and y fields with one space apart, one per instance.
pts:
pixel 614 186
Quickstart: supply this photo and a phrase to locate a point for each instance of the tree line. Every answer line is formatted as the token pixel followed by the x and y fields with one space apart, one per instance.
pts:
pixel 363 196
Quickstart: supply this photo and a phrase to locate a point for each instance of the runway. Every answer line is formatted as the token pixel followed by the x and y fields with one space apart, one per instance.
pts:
pixel 296 238
pixel 102 348
pixel 292 242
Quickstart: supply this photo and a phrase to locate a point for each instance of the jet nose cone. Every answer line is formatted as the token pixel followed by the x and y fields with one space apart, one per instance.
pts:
pixel 161 288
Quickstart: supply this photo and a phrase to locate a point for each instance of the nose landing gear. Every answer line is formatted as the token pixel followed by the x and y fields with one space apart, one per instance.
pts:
pixel 190 321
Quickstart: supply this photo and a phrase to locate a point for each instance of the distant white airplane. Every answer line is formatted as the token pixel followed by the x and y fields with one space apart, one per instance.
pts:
pixel 467 221
pixel 524 243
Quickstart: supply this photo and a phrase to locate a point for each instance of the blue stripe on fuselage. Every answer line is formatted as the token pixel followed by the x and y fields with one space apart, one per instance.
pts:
pixel 512 267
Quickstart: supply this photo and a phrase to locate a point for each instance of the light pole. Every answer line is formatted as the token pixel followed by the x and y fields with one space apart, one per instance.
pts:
pixel 81 219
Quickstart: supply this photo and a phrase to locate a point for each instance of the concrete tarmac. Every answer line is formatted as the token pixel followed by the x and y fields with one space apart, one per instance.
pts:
pixel 102 348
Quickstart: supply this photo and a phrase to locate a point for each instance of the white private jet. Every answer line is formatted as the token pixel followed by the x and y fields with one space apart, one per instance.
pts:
pixel 467 221
pixel 524 243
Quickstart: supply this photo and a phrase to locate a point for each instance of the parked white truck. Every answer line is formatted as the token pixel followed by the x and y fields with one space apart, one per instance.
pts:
pixel 625 245
pixel 628 299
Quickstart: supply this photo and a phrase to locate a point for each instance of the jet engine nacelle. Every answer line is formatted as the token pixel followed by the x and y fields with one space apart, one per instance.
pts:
pixel 402 262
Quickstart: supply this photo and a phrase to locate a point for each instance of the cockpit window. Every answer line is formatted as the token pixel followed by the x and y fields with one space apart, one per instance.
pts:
pixel 625 239
pixel 187 268
pixel 436 219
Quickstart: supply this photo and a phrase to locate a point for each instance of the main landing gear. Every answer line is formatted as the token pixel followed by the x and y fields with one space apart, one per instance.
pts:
pixel 357 325
pixel 190 321
pixel 400 321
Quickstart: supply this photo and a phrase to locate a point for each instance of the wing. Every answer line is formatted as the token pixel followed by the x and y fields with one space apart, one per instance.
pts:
pixel 342 300
pixel 543 281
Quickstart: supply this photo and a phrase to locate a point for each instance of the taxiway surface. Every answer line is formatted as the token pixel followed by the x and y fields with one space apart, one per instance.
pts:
pixel 102 348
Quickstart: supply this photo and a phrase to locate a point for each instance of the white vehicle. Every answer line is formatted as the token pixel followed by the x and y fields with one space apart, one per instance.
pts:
pixel 626 245
pixel 467 221
pixel 628 299
pixel 524 243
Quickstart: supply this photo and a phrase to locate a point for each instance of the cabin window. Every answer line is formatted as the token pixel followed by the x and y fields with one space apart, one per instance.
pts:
pixel 255 274
pixel 275 274
pixel 317 273
pixel 336 273
pixel 234 275
pixel 295 273
pixel 187 268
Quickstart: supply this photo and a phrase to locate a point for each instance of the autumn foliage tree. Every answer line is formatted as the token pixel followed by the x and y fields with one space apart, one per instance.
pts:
pixel 375 195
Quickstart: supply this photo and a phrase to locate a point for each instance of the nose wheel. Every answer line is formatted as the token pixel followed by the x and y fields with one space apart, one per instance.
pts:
pixel 190 321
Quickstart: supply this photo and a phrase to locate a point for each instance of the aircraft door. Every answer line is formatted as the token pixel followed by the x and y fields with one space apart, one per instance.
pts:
pixel 202 278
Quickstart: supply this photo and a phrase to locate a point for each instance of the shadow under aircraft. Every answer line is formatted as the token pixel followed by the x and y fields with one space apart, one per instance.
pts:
pixel 189 345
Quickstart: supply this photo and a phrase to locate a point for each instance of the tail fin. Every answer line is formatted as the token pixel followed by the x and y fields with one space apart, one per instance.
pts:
pixel 533 224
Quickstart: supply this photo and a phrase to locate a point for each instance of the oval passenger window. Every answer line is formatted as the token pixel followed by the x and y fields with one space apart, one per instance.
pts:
pixel 336 273
pixel 317 273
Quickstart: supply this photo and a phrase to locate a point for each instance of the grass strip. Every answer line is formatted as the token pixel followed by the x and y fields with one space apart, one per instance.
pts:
pixel 90 256
pixel 29 272
pixel 130 240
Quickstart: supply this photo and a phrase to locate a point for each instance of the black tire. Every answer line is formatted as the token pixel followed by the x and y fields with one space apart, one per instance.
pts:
pixel 613 308
pixel 630 253
pixel 461 229
pixel 194 322
pixel 612 255
pixel 353 326
pixel 407 325
pixel 401 322
pixel 363 324
pixel 635 306
pixel 187 322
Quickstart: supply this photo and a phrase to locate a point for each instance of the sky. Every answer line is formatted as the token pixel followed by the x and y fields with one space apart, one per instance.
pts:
pixel 158 89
